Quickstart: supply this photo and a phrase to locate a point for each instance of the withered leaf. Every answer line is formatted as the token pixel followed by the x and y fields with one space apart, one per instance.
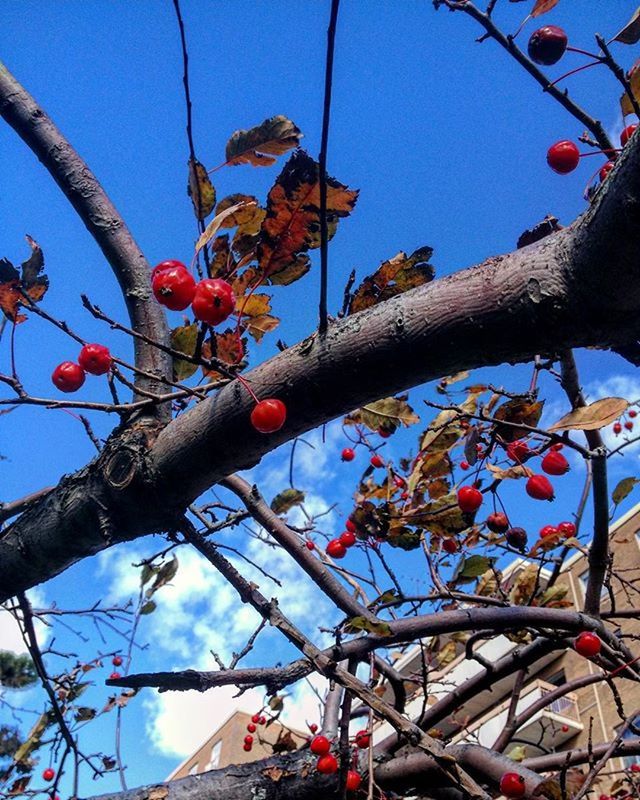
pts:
pixel 292 224
pixel 216 223
pixel 542 6
pixel 518 471
pixel 518 411
pixel 357 624
pixel 227 347
pixel 592 417
pixel 258 326
pixel 397 275
pixel 630 34
pixel 387 414
pixel 29 281
pixel 200 190
pixel 253 305
pixel 258 146
pixel 248 216
pixel 633 76
pixel 287 500
pixel 623 489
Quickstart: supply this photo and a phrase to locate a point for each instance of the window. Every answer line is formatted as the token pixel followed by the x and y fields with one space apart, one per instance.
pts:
pixel 193 769
pixel 629 734
pixel 215 755
pixel 583 585
pixel 557 679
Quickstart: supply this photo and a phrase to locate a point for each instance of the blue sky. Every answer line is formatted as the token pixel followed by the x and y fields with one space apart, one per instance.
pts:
pixel 446 140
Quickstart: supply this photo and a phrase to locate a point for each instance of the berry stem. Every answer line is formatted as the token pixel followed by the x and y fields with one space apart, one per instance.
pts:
pixel 575 71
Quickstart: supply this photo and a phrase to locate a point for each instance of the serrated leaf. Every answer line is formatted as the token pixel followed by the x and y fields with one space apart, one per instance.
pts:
pixel 387 414
pixel 258 145
pixel 227 347
pixel 623 489
pixel 356 624
pixel 542 6
pixel 630 34
pixel 253 305
pixel 592 417
pixel 184 339
pixel 200 190
pixel 518 411
pixel 286 500
pixel 148 608
pixel 633 77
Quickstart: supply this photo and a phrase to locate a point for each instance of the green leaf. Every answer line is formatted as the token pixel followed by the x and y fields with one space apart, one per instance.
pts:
pixel 356 624
pixel 472 567
pixel 165 574
pixel 287 500
pixel 385 597
pixel 623 489
pixel 184 339
pixel 148 608
pixel 146 573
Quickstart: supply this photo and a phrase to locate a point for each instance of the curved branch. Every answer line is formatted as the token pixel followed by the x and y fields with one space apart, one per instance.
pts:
pixel 19 109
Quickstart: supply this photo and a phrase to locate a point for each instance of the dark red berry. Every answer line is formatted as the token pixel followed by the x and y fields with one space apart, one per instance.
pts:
pixel 605 170
pixel 517 538
pixel 327 765
pixel 469 499
pixel 174 288
pixel 518 451
pixel 248 739
pixel 617 428
pixel 95 359
pixel 449 546
pixel 310 545
pixel 246 748
pixel 320 745
pixel 269 415
pixel 497 522
pixel 512 785
pixel 565 729
pixel 49 774
pixel 547 45
pixel 117 661
pixel 348 454
pixel 114 676
pixel 251 727
pixel 363 739
pixel 539 487
pixel 213 301
pixel 384 434
pixel 347 539
pixel 629 425
pixel 376 461
pixel 588 644
pixel 554 463
pixel 263 720
pixel 255 719
pixel 627 133
pixel 563 157
pixel 464 465
pixel 313 727
pixel 336 549
pixel 399 481
pixel 350 526
pixel 68 376
pixel 632 413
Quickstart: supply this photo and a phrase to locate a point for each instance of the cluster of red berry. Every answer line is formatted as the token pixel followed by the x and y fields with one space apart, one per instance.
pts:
pixel 564 156
pixel 327 763
pixel 628 423
pixel 256 719
pixel 93 358
pixel 212 300
pixel 117 662
pixel 337 548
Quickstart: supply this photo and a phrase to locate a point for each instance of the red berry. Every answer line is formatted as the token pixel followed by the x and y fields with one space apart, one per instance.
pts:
pixel 376 461
pixel 605 170
pixel 404 495
pixel 497 522
pixel 547 45
pixel 313 727
pixel 353 781
pixel 268 416
pixel 557 446
pixel 165 265
pixel 310 545
pixel 336 549
pixel 617 428
pixel 174 288
pixel 49 774
pixel 632 413
pixel 464 465
pixel 399 481
pixel 539 487
pixel 554 463
pixel 68 377
pixel 512 785
pixel 635 767
pixel 628 425
pixel 363 739
pixel 383 434
pixel 449 546
pixel 263 721
pixel 348 454
pixel 469 499
pixel 565 729
pixel 567 529
pixel 627 133
pixel 350 526
pixel 114 676
pixel 548 530
pixel 347 539
pixel 255 719
pixel 517 538
pixel 213 301
pixel 518 451
pixel 246 748
pixel 320 745
pixel 95 359
pixel 116 661
pixel 327 765
pixel 563 157
pixel 251 727
pixel 248 739
pixel 588 644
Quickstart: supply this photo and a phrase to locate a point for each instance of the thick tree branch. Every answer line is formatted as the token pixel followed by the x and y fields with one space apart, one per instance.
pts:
pixel 101 218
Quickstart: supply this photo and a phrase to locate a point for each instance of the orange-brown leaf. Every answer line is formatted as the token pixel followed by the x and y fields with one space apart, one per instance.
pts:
pixel 29 280
pixel 634 81
pixel 253 305
pixel 542 6
pixel 394 276
pixel 227 347
pixel 258 326
pixel 258 145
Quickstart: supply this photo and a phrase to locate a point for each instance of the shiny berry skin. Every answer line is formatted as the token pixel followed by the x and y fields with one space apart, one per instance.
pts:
pixel 213 301
pixel 353 781
pixel 255 719
pixel 68 376
pixel 117 661
pixel 48 774
pixel 605 170
pixel 313 727
pixel 347 539
pixel 114 676
pixel 174 288
pixel 376 461
pixel 464 465
pixel 627 133
pixel 497 522
pixel 310 545
pixel 327 765
pixel 350 526
pixel 399 481
pixel 565 729
pixel 539 487
pixel 588 644
pixel 449 546
pixel 165 265
pixel 336 549
pixel 95 359
pixel 617 428
pixel 517 538
pixel 547 45
pixel 263 721
pixel 404 496
pixel 635 767
pixel 628 425
pixel 563 157
pixel 251 727
pixel 363 739
pixel 567 529
pixel 248 739
pixel 632 413
pixel 469 499
pixel 348 454
pixel 518 451
pixel 269 415
pixel 554 463
pixel 548 530
pixel 246 748
pixel 320 745
pixel 512 785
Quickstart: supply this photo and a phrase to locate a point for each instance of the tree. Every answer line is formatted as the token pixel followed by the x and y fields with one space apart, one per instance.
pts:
pixel 176 437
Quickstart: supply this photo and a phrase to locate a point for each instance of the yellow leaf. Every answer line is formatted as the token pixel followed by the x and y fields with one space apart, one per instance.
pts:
pixel 200 190
pixel 253 305
pixel 248 218
pixel 258 145
pixel 592 417
pixel 634 81
pixel 216 223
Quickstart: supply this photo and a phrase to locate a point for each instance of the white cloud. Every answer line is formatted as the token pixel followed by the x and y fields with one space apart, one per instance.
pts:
pixel 10 636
